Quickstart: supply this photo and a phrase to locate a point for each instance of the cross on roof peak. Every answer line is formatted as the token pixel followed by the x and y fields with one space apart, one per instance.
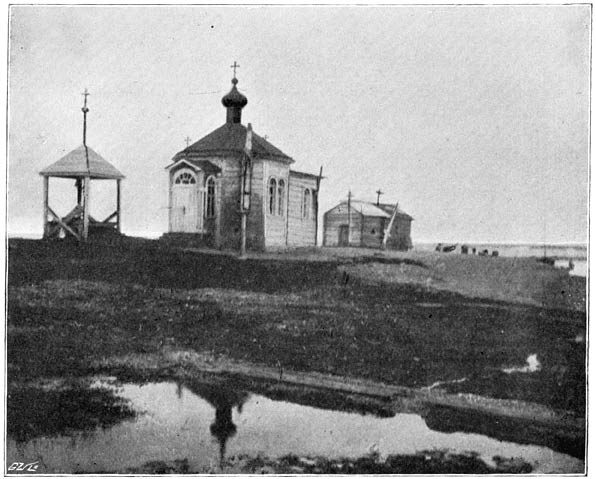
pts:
pixel 187 140
pixel 85 94
pixel 234 66
pixel 379 193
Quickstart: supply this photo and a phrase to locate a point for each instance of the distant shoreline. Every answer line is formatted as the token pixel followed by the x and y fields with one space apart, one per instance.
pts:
pixel 475 243
pixel 570 244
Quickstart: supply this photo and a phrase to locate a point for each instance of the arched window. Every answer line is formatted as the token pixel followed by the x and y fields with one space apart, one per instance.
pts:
pixel 185 178
pixel 306 204
pixel 272 195
pixel 281 196
pixel 210 200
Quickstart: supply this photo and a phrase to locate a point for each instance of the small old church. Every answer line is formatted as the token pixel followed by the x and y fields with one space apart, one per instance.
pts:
pixel 233 187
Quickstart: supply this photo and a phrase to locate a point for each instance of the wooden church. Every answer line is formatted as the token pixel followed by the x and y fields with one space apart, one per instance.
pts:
pixel 233 189
pixel 367 225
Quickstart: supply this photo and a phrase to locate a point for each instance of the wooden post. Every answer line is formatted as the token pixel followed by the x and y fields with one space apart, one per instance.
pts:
pixel 316 205
pixel 349 218
pixel 245 184
pixel 79 186
pixel 46 180
pixel 287 212
pixel 388 230
pixel 217 212
pixel 118 205
pixel 86 184
pixel 243 235
pixel 361 227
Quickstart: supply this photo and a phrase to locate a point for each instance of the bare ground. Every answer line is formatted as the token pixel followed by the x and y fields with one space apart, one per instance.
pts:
pixel 405 321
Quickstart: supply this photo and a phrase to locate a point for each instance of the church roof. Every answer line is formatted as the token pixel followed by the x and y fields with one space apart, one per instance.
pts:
pixel 369 209
pixel 74 165
pixel 388 207
pixel 383 210
pixel 204 165
pixel 231 138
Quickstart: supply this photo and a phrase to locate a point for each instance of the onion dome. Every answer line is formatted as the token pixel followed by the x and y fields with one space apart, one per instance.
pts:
pixel 234 101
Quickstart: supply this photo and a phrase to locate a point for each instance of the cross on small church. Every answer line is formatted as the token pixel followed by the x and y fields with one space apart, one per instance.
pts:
pixel 187 140
pixel 379 193
pixel 234 66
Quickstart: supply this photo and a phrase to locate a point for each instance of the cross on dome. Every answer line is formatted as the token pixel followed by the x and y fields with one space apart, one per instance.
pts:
pixel 85 94
pixel 234 66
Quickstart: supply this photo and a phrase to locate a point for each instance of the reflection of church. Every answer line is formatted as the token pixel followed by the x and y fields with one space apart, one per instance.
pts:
pixel 208 179
pixel 223 399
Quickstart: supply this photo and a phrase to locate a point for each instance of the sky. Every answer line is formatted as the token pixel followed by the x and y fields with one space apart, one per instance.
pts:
pixel 474 118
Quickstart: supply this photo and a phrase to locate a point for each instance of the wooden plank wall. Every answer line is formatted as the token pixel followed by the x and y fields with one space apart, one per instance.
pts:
pixel 274 225
pixel 336 217
pixel 400 238
pixel 263 229
pixel 255 239
pixel 229 198
pixel 301 231
pixel 372 234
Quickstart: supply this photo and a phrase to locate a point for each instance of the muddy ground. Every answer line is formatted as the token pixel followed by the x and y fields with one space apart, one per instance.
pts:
pixel 76 309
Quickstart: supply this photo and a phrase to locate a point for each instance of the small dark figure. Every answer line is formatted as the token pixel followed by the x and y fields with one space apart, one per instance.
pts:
pixel 464 249
pixel 495 253
pixel 473 250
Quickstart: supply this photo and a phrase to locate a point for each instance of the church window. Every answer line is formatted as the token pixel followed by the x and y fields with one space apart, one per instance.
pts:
pixel 210 203
pixel 306 204
pixel 272 195
pixel 281 195
pixel 185 178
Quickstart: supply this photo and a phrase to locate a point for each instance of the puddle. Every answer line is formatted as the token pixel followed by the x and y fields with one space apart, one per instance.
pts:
pixel 575 267
pixel 532 365
pixel 443 383
pixel 204 423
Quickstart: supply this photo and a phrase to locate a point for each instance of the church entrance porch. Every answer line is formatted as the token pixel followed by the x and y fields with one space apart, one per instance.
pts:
pixel 185 203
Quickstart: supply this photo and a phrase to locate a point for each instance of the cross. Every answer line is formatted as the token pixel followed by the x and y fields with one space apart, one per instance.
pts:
pixel 85 94
pixel 234 66
pixel 85 110
pixel 187 140
pixel 379 193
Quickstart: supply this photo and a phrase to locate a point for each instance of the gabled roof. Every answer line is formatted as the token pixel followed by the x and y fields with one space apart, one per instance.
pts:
pixel 231 138
pixel 388 208
pixel 74 165
pixel 204 165
pixel 367 208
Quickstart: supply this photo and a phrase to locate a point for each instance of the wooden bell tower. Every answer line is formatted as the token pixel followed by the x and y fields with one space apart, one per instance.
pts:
pixel 83 165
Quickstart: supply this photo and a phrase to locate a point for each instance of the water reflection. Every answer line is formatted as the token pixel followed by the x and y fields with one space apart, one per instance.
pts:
pixel 223 399
pixel 206 424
